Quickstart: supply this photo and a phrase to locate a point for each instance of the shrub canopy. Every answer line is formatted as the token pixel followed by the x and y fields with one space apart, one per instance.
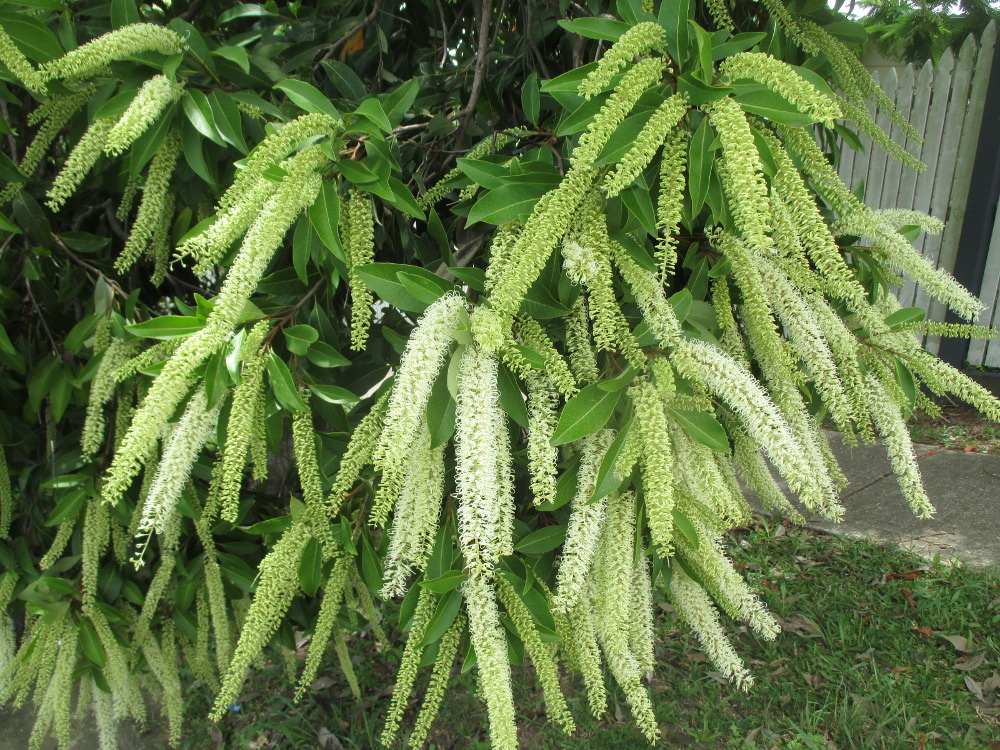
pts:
pixel 473 307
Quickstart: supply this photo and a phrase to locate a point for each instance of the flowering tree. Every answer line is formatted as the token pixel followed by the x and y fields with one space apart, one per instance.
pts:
pixel 478 309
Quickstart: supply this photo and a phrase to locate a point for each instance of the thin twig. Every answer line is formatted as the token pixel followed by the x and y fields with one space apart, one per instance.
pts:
pixel 90 267
pixel 485 11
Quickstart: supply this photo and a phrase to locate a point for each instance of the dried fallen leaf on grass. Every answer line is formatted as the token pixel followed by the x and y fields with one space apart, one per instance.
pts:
pixel 961 643
pixel 973 662
pixel 799 623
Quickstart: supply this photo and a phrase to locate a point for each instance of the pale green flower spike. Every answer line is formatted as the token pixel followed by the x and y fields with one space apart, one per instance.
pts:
pixel 159 244
pixel 659 127
pixel 485 147
pixel 649 296
pixel 493 660
pixel 438 684
pixel 741 172
pixel 275 147
pixel 583 531
pixel 779 76
pixel 154 96
pixel 557 371
pixel 482 466
pixel 18 64
pixel 758 477
pixel 695 609
pixel 640 39
pixel 115 45
pixel 720 14
pixel 732 383
pixel 96 534
pixel 227 479
pixel 359 242
pixel 418 512
pixel 221 624
pixel 543 404
pixel 406 675
pixel 554 212
pixel 360 449
pixel 156 199
pixel 419 366
pixel 297 189
pixel 58 111
pixel 613 612
pixel 670 201
pixel 582 360
pixel 333 596
pixel 580 648
pixel 542 656
pixel 858 113
pixel 490 329
pixel 656 462
pixel 642 629
pixel 79 162
pixel 902 256
pixel 277 585
pixel 179 455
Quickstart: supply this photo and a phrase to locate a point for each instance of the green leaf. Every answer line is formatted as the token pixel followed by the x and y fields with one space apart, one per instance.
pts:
pixel 544 540
pixel 384 280
pixel 445 583
pixel 507 203
pixel 607 473
pixel 334 394
pixel 569 81
pixel 530 98
pixel 907 316
pixel 372 110
pixel 216 378
pixel 673 17
pixel 698 92
pixel 683 524
pixel 236 55
pixel 283 385
pixel 701 155
pixel 311 567
pixel 397 104
pixel 703 428
pixel 371 568
pixel 760 100
pixel 440 412
pixel 704 43
pixel 403 199
pixel 607 29
pixel 487 174
pixel 344 79
pixel 167 327
pixel 444 615
pixel 67 506
pixel 199 112
pixel 585 413
pixel 356 172
pixel 299 338
pixel 90 643
pixel 906 382
pixel 739 43
pixel 228 120
pixel 270 526
pixel 5 342
pixel 307 97
pixel 511 399
pixel 324 215
pixel 322 354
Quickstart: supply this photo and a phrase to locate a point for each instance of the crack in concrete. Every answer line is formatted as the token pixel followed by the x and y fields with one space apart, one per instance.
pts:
pixel 864 487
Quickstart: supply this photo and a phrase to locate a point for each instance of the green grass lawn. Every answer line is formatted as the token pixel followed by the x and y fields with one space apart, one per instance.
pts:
pixel 880 650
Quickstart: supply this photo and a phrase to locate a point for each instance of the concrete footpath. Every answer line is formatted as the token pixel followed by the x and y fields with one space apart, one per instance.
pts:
pixel 963 487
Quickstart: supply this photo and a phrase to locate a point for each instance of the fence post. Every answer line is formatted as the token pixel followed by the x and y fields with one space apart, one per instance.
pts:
pixel 981 207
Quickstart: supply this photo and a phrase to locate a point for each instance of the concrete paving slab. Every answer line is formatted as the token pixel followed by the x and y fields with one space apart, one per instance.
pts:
pixel 964 488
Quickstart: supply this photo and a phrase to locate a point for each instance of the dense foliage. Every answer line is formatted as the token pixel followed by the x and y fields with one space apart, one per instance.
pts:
pixel 474 307
pixel 920 31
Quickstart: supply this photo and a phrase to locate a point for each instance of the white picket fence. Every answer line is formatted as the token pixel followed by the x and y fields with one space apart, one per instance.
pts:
pixel 945 104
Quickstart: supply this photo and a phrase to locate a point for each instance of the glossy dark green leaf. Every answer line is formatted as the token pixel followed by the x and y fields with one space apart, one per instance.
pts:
pixel 444 615
pixel 334 394
pixel 311 567
pixel 700 159
pixel 216 378
pixel 308 97
pixel 384 280
pixel 904 317
pixel 445 583
pixel 607 473
pixel 90 643
pixel 906 381
pixel 673 16
pixel 607 29
pixel 507 203
pixel 322 354
pixel 511 398
pixel 299 338
pixel 541 541
pixel 703 428
pixel 167 327
pixel 440 412
pixel 683 524
pixel 585 413
pixel 283 385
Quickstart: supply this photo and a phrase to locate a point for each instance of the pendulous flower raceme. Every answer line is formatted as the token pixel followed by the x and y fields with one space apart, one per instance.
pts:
pixel 672 289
